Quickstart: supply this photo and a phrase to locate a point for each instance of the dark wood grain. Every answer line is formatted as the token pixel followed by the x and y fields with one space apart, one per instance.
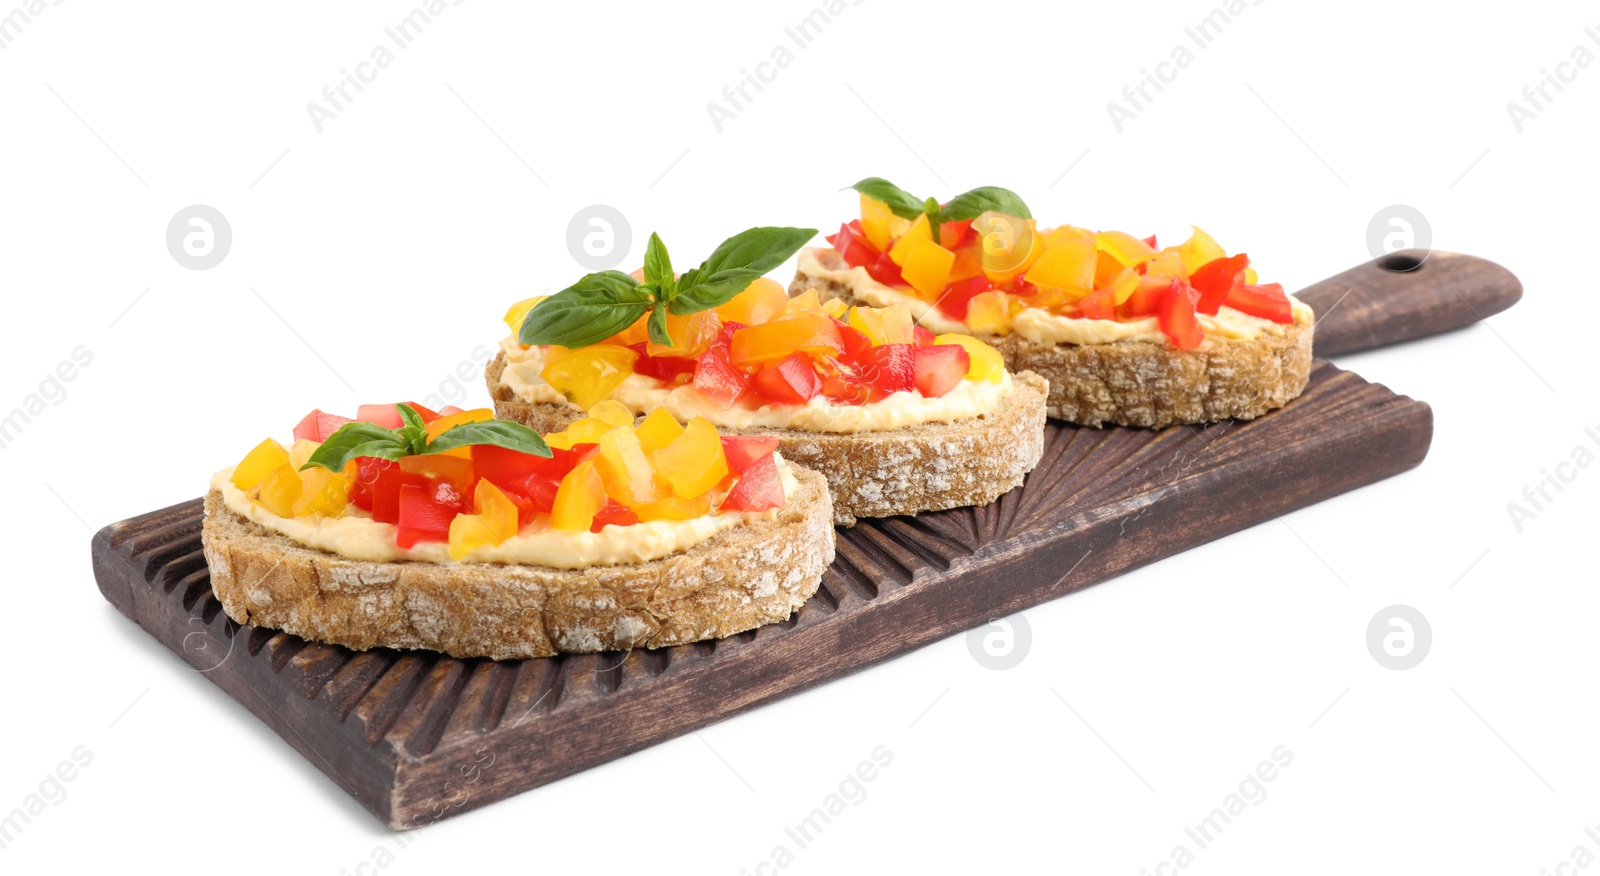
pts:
pixel 1404 296
pixel 419 736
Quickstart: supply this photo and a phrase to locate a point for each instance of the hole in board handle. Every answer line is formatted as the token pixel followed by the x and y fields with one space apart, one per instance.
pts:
pixel 1403 262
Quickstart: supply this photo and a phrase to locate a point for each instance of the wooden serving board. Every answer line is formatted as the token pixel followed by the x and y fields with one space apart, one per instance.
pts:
pixel 418 736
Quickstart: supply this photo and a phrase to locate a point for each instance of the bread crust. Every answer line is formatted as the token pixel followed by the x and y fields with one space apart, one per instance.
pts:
pixel 752 574
pixel 1140 383
pixel 925 467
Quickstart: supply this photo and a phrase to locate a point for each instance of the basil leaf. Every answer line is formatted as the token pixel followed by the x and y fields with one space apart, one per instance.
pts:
pixel 587 312
pixel 415 438
pixel 735 264
pixel 901 202
pixel 658 326
pixel 409 416
pixel 658 266
pixel 968 205
pixel 356 439
pixel 500 433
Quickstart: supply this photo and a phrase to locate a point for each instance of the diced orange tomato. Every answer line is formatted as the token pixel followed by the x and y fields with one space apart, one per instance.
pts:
pixel 879 223
pixel 758 346
pixel 625 469
pixel 927 267
pixel 883 325
pixel 442 466
pixel 1125 248
pixel 1010 245
pixel 675 508
pixel 477 415
pixel 1069 265
pixel 806 302
pixel 581 495
pixel 322 492
pixel 761 301
pixel 919 230
pixel 1198 250
pixel 519 312
pixel 968 263
pixel 1168 263
pixel 989 312
pixel 279 490
pixel 691 334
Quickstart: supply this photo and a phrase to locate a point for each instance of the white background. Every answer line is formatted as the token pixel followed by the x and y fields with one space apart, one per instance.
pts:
pixel 371 258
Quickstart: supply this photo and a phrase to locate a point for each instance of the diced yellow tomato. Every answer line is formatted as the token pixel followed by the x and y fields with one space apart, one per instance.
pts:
pixel 987 363
pixel 919 230
pixel 691 334
pixel 927 267
pixel 674 508
pixel 1066 235
pixel 476 415
pixel 519 312
pixel 1068 265
pixel 1199 250
pixel 588 430
pixel 613 412
pixel 322 492
pixel 990 313
pixel 762 301
pixel 968 263
pixel 1251 277
pixel 1123 285
pixel 1124 247
pixel 279 490
pixel 806 302
pixel 468 532
pixel 880 223
pixel 883 325
pixel 834 308
pixel 581 496
pixel 1168 263
pixel 694 462
pixel 589 374
pixel 300 452
pixel 625 469
pixel 258 463
pixel 762 345
pixel 657 430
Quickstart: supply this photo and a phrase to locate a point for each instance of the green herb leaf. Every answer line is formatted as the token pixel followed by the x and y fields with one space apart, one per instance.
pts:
pixel 409 416
pixel 658 267
pixel 968 205
pixel 587 312
pixel 734 265
pixel 903 203
pixel 500 433
pixel 356 439
pixel 658 326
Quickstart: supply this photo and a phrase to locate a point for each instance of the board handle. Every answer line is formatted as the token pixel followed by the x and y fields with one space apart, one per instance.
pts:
pixel 1406 295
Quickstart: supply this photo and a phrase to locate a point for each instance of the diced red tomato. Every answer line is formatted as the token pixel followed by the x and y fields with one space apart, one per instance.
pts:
pixel 742 450
pixel 759 489
pixel 960 294
pixel 940 367
pixel 954 235
pixel 792 381
pixel 921 336
pixel 502 466
pixel 663 368
pixel 386 416
pixel 426 511
pixel 447 410
pixel 561 462
pixel 368 469
pixel 1267 302
pixel 1215 281
pixel 885 271
pixel 851 242
pixel 317 426
pixel 1098 305
pixel 847 389
pixel 1147 298
pixel 1177 317
pixel 1151 242
pixel 889 367
pixel 535 489
pixel 717 379
pixel 613 514
pixel 855 341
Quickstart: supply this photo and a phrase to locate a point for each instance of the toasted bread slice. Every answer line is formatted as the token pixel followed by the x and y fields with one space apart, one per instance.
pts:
pixel 926 467
pixel 752 574
pixel 1141 383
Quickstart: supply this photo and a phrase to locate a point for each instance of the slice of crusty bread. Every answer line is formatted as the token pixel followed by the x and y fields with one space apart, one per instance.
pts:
pixel 752 574
pixel 926 467
pixel 1140 383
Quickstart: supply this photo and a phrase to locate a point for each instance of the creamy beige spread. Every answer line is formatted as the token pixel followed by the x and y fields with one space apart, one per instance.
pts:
pixel 354 534
pixel 1042 326
pixel 641 394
